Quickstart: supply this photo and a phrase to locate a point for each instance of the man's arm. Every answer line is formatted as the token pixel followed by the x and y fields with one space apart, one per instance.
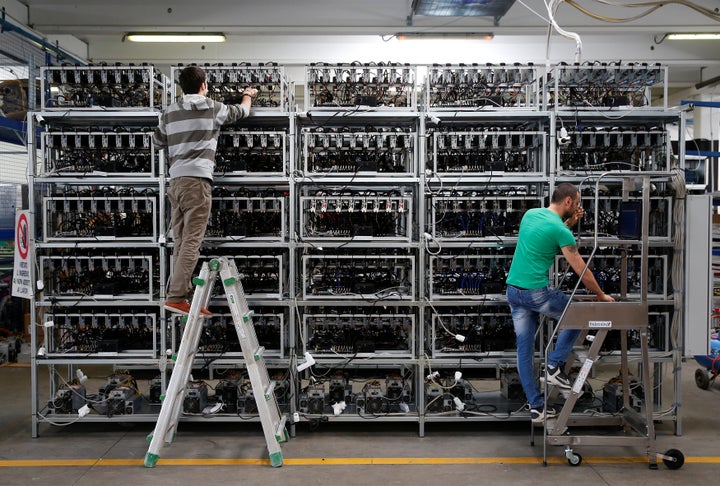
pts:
pixel 159 136
pixel 570 252
pixel 242 109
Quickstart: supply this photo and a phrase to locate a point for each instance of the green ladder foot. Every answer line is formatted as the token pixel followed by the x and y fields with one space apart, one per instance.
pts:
pixel 276 459
pixel 151 459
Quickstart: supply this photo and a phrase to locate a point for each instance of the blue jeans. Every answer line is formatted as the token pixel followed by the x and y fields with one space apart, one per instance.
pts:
pixel 526 306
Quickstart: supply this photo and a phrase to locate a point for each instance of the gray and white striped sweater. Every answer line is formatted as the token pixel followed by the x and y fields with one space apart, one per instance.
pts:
pixel 189 130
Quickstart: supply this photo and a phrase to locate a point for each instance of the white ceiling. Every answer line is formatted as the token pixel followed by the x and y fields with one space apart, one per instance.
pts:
pixel 86 17
pixel 295 31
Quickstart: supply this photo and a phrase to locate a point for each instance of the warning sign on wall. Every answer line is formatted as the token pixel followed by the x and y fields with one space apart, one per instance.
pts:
pixel 22 283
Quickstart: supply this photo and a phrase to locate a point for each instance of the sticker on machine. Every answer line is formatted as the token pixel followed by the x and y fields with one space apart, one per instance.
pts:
pixel 599 324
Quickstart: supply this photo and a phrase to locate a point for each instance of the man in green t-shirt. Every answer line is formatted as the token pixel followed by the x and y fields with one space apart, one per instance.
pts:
pixel 544 231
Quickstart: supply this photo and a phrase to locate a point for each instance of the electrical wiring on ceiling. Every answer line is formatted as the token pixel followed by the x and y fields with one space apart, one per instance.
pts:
pixel 611 19
pixel 712 14
pixel 651 7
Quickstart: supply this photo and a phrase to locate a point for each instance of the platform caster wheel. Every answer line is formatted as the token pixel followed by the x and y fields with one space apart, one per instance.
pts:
pixel 678 462
pixel 701 379
pixel 574 460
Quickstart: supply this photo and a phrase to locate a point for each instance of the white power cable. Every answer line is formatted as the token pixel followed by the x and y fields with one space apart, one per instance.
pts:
pixel 676 274
pixel 458 337
pixel 551 8
pixel 431 238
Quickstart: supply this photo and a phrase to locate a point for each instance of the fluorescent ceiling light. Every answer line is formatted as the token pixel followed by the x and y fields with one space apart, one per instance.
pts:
pixel 694 36
pixel 175 37
pixel 445 35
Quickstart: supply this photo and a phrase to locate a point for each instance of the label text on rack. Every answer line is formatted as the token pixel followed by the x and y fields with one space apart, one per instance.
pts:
pixel 599 324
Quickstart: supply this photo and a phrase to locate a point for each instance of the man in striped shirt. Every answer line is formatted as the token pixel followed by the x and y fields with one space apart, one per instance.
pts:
pixel 188 130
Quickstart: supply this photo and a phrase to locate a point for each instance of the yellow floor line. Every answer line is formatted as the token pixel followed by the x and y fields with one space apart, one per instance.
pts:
pixel 335 461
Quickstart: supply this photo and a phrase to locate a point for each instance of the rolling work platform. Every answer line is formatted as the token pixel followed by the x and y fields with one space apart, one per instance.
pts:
pixel 273 423
pixel 601 317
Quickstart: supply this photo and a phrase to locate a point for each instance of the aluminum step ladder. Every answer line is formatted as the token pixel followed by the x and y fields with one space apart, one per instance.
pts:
pixel 273 422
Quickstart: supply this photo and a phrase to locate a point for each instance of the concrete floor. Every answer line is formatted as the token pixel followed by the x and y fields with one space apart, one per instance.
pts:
pixel 340 453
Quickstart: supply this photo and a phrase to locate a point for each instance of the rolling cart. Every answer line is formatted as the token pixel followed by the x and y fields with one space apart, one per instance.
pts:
pixel 638 427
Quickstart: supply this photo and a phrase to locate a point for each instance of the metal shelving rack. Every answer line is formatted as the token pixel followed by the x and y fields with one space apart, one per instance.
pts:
pixel 82 142
pixel 625 132
pixel 376 225
pixel 95 187
pixel 485 166
pixel 568 127
pixel 485 159
pixel 357 242
pixel 250 222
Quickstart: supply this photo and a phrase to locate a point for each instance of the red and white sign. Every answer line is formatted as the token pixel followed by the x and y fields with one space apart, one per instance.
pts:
pixel 22 285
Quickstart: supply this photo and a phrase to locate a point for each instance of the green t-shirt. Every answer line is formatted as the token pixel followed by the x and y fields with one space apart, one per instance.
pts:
pixel 542 234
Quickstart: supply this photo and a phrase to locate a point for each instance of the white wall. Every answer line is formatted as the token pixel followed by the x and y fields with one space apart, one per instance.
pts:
pixel 298 50
pixel 13 163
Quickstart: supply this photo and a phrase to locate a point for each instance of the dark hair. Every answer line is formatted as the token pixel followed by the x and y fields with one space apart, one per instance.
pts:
pixel 563 190
pixel 191 78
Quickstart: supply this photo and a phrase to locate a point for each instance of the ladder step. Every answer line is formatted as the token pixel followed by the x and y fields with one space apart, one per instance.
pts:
pixel 230 281
pixel 281 434
pixel 269 390
pixel 246 317
pixel 259 353
pixel 198 281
